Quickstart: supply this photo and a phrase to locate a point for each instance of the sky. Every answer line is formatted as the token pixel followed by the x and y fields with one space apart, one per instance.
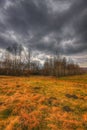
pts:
pixel 48 27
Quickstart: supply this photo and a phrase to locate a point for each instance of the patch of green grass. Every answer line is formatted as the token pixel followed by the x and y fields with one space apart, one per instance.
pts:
pixel 5 113
pixel 10 93
pixel 16 126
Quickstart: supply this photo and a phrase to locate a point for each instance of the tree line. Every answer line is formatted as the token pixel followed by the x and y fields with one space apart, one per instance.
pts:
pixel 17 60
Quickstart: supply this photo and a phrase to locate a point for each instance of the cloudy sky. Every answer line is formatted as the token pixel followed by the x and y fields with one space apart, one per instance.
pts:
pixel 46 26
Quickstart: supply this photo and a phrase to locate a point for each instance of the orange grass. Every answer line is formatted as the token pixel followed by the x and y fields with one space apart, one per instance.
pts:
pixel 43 103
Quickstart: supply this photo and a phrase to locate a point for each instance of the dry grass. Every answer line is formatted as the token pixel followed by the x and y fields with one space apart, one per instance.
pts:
pixel 43 103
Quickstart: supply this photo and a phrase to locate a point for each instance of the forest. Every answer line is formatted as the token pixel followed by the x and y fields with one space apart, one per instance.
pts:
pixel 17 60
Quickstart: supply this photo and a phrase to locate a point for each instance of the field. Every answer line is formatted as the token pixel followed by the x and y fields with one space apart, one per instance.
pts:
pixel 43 103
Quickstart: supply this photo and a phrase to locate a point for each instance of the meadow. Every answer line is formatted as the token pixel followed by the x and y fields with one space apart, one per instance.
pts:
pixel 43 103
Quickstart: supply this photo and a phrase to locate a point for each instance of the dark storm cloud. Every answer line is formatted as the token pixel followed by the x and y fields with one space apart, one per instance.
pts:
pixel 2 2
pixel 25 15
pixel 47 26
pixel 6 41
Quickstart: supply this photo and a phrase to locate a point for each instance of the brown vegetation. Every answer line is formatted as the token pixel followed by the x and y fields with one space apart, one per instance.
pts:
pixel 43 103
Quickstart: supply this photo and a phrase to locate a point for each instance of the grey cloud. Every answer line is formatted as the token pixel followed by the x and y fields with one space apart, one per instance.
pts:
pixel 2 2
pixel 5 42
pixel 34 20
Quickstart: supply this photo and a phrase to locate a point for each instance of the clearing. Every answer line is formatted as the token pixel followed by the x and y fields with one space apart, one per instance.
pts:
pixel 43 103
